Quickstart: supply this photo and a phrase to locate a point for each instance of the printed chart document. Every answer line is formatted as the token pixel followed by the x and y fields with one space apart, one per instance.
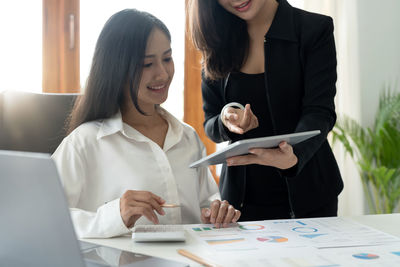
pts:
pixel 299 242
pixel 242 147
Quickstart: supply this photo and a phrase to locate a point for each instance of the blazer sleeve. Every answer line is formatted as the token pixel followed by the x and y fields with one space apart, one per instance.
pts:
pixel 213 102
pixel 318 107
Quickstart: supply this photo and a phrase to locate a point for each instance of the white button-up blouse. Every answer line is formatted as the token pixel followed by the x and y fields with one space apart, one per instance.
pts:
pixel 100 160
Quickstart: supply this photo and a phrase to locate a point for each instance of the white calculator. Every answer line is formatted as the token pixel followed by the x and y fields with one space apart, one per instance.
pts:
pixel 157 233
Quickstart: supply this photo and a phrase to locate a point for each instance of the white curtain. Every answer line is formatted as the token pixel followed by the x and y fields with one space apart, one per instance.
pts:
pixel 348 98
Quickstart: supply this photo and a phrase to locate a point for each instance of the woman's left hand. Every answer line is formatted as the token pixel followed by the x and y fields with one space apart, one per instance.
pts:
pixel 281 157
pixel 220 213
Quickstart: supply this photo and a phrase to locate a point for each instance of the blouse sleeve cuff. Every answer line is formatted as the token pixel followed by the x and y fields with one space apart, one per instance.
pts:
pixel 116 210
pixel 111 212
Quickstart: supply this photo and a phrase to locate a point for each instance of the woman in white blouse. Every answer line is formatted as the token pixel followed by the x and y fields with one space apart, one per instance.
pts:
pixel 125 156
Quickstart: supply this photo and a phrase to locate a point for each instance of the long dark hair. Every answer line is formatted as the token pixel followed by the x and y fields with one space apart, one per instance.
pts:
pixel 117 63
pixel 221 37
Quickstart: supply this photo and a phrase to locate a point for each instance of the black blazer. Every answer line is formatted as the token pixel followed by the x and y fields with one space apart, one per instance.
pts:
pixel 300 78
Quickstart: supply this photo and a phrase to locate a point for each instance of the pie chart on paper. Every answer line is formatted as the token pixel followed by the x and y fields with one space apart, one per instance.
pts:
pixel 251 227
pixel 366 256
pixel 272 239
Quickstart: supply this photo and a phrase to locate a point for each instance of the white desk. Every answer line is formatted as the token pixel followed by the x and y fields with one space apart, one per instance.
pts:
pixel 389 223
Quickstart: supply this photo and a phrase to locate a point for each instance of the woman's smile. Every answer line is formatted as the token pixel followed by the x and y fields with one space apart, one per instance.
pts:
pixel 243 7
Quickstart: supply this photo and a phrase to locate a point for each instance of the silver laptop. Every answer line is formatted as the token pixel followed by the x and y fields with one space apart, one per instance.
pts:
pixel 35 225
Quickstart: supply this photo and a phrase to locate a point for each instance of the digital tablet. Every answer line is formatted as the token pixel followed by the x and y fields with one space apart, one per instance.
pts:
pixel 242 147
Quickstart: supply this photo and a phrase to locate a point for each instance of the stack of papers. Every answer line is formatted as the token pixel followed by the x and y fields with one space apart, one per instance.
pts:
pixel 331 241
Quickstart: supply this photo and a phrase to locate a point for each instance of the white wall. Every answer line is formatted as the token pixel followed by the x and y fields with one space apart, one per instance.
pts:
pixel 379 51
pixel 367 34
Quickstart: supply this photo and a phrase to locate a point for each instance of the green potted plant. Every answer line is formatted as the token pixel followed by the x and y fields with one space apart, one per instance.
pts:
pixel 376 151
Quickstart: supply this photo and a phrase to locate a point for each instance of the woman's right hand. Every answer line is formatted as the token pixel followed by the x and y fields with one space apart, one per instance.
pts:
pixel 134 204
pixel 239 120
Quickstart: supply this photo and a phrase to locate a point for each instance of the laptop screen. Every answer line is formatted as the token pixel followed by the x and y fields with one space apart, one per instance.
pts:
pixel 36 227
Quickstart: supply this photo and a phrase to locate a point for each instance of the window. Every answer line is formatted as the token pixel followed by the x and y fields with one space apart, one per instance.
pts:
pixel 21 45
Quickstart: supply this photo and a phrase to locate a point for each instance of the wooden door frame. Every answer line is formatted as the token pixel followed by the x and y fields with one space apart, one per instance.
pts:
pixel 61 64
pixel 193 104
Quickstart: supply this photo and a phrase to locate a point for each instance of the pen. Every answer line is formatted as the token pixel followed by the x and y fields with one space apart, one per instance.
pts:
pixel 195 258
pixel 170 205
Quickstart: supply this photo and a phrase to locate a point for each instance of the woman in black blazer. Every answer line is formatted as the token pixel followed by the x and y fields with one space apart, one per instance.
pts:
pixel 269 69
